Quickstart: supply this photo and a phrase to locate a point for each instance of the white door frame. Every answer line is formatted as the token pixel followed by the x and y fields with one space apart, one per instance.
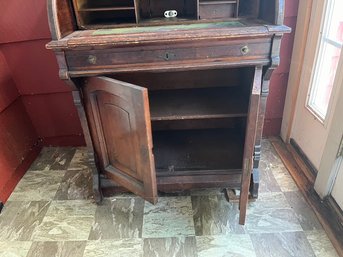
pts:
pixel 310 17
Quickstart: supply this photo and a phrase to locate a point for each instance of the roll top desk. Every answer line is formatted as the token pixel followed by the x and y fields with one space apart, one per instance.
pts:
pixel 171 94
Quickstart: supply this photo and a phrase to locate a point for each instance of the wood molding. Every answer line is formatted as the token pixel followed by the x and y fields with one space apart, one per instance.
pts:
pixel 300 42
pixel 331 220
pixel 303 161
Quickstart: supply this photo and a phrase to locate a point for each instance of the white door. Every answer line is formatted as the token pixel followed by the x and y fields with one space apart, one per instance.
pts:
pixel 337 192
pixel 314 121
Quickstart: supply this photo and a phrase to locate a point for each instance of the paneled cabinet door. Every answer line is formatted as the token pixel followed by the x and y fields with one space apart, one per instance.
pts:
pixel 119 117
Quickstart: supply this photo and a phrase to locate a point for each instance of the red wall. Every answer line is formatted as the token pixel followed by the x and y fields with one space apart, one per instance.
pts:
pixel 18 139
pixel 48 100
pixel 279 80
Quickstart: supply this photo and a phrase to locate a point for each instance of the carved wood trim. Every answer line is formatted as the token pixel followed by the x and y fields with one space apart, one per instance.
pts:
pixel 249 143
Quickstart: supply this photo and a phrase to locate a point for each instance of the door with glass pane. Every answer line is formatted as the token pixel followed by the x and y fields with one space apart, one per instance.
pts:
pixel 320 79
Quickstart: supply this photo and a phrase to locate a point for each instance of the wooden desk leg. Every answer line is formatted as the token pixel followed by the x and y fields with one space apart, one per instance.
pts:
pixel 249 146
pixel 78 102
pixel 90 151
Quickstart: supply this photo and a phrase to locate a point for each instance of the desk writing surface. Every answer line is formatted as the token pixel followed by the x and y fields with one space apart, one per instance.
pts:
pixel 168 28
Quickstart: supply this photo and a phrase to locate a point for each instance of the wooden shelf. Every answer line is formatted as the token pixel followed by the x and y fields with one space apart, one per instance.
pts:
pixel 104 9
pixel 217 2
pixel 200 103
pixel 204 151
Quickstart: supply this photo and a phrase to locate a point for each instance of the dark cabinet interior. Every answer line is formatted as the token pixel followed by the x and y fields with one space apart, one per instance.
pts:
pixel 107 13
pixel 198 118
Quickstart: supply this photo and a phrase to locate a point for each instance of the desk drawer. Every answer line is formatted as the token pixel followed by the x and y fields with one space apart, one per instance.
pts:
pixel 159 55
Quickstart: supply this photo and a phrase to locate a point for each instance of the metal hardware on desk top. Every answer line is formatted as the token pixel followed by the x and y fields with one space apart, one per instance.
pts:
pixel 170 13
pixel 92 59
pixel 245 50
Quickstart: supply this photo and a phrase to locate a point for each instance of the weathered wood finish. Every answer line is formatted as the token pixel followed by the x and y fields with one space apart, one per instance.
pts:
pixel 119 118
pixel 250 137
pixel 201 52
pixel 267 73
pixel 115 115
pixel 61 19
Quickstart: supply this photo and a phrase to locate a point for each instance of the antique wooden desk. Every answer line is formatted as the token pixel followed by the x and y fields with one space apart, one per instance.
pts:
pixel 171 94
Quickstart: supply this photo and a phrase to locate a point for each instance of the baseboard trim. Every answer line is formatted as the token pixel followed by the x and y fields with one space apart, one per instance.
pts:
pixel 304 157
pixel 331 221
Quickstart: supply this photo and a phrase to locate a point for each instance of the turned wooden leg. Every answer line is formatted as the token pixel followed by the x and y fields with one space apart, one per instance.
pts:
pixel 91 154
pixel 255 176
pixel 96 180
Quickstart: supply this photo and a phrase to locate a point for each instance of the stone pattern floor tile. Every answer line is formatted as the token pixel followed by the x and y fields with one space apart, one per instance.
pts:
pixel 63 229
pixel 170 247
pixel 170 217
pixel 79 160
pixel 14 249
pixel 282 245
pixel 57 249
pixel 132 247
pixel 51 213
pixel 273 166
pixel 261 220
pixel 38 186
pixel 225 246
pixel 75 208
pixel 284 179
pixel 271 213
pixel 214 215
pixel 320 243
pixel 18 220
pixel 66 221
pixel 118 218
pixel 53 158
pixel 307 218
pixel 75 185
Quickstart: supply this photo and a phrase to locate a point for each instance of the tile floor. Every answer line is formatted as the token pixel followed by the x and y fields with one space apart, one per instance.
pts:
pixel 51 213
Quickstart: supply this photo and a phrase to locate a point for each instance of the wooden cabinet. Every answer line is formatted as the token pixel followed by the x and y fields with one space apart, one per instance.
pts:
pixel 170 103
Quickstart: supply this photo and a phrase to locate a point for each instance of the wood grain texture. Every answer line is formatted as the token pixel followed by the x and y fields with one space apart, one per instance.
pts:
pixel 250 137
pixel 118 115
pixel 119 118
pixel 330 220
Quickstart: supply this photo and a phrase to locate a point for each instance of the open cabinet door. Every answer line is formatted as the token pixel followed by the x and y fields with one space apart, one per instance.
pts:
pixel 250 136
pixel 119 116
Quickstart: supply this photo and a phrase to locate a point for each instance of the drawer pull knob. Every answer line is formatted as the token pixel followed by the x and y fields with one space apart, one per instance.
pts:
pixel 92 59
pixel 245 50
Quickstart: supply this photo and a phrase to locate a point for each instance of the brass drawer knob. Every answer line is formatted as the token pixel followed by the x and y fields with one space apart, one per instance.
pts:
pixel 245 50
pixel 92 59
